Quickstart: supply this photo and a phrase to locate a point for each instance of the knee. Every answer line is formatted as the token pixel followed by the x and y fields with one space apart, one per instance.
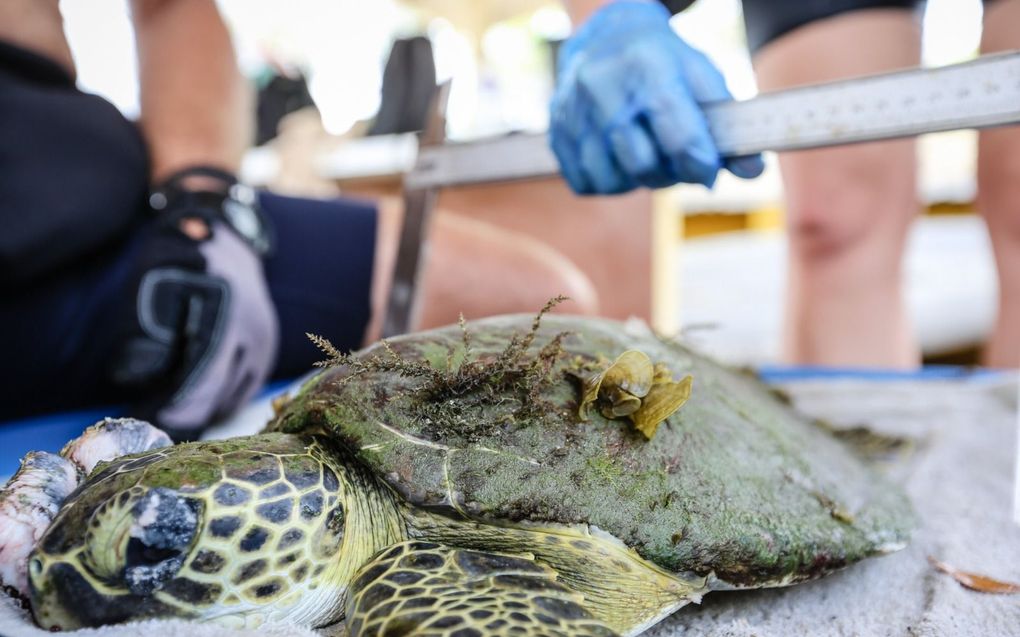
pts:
pixel 819 230
pixel 848 211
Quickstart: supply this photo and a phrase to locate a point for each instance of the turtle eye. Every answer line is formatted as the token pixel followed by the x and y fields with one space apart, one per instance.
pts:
pixel 164 524
pixel 141 554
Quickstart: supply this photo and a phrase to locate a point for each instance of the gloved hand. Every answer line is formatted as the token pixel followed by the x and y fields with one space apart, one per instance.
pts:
pixel 201 334
pixel 627 107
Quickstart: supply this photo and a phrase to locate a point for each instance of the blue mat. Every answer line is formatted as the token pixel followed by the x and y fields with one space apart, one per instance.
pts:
pixel 791 373
pixel 51 432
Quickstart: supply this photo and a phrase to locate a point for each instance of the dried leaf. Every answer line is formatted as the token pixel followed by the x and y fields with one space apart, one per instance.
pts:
pixel 841 514
pixel 836 510
pixel 872 444
pixel 591 394
pixel 660 403
pixel 975 582
pixel 662 374
pixel 279 402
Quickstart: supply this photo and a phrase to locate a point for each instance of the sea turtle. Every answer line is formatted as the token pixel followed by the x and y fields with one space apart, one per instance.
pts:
pixel 473 481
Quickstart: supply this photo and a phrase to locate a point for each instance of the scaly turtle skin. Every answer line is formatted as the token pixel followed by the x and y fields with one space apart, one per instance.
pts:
pixel 447 486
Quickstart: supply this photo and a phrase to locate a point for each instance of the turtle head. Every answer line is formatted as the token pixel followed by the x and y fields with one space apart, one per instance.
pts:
pixel 241 531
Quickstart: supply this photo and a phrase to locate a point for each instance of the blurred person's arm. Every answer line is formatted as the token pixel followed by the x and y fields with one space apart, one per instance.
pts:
pixel 579 10
pixel 200 331
pixel 196 107
pixel 36 25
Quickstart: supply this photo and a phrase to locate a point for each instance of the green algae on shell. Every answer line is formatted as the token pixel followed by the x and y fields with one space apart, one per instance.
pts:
pixel 735 486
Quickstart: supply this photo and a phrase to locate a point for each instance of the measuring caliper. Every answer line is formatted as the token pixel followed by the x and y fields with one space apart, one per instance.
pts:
pixel 982 93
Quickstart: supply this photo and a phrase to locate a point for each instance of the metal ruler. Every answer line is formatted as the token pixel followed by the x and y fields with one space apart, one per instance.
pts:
pixel 981 93
pixel 977 94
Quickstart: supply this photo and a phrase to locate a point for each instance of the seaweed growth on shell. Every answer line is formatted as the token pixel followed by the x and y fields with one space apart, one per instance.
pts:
pixel 446 394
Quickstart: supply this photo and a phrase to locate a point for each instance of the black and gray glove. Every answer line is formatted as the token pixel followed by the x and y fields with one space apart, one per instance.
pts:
pixel 201 334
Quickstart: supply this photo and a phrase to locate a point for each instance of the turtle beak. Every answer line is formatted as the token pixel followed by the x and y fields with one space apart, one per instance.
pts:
pixel 64 598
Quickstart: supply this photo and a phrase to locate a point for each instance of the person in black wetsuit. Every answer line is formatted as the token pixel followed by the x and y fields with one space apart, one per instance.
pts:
pixel 626 113
pixel 135 269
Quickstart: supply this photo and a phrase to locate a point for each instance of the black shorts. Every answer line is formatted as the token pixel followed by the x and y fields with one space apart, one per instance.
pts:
pixel 69 154
pixel 766 20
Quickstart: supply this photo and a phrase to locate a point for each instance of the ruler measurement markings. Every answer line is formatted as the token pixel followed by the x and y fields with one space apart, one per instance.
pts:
pixel 985 92
pixel 949 91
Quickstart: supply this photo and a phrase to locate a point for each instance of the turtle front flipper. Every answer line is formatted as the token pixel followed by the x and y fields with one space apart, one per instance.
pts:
pixel 426 589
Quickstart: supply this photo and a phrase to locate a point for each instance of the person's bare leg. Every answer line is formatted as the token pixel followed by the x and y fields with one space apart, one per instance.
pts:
pixel 849 208
pixel 999 195
pixel 478 270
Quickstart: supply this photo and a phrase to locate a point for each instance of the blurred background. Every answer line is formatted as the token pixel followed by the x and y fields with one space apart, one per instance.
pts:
pixel 328 123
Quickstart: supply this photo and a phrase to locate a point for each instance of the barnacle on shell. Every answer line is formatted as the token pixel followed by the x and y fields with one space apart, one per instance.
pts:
pixel 635 388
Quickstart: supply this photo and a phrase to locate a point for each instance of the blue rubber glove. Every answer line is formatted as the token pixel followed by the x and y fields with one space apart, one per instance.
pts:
pixel 626 111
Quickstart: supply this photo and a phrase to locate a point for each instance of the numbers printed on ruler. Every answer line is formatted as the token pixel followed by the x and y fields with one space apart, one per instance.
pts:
pixel 985 92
